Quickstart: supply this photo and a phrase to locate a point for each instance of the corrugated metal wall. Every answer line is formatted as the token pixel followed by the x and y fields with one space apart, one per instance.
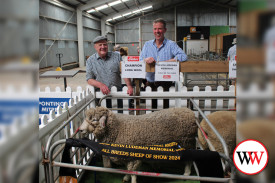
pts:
pixel 91 29
pixel 204 14
pixel 52 20
pixel 192 14
pixel 110 31
pixel 147 25
pixel 127 35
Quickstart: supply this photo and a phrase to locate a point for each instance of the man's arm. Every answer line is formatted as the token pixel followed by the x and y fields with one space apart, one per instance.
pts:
pixel 178 52
pixel 103 88
pixel 129 85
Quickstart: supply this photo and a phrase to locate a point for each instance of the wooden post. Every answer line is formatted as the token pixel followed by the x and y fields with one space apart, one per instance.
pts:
pixel 137 93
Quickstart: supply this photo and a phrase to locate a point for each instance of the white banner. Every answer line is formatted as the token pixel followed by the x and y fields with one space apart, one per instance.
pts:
pixel 232 69
pixel 167 71
pixel 133 69
pixel 270 60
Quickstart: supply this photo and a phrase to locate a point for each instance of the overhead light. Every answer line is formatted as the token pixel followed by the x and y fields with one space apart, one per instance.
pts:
pixel 124 0
pixel 127 14
pixel 148 7
pixel 91 10
pixel 109 20
pixel 137 11
pixel 102 7
pixel 114 3
pixel 117 17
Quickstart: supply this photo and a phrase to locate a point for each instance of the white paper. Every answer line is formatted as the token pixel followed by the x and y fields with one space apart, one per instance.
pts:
pixel 270 60
pixel 132 69
pixel 232 69
pixel 167 71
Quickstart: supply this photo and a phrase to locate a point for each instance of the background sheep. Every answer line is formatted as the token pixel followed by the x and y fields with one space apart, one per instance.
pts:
pixel 225 123
pixel 174 124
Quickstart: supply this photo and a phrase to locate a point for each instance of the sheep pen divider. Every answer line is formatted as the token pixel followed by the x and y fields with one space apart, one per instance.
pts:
pixel 177 98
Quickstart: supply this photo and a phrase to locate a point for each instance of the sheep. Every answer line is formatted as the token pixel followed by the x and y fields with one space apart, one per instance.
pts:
pixel 263 130
pixel 174 124
pixel 225 123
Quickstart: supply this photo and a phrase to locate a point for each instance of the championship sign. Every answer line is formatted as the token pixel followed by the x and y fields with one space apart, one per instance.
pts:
pixel 232 68
pixel 270 60
pixel 132 68
pixel 132 58
pixel 167 71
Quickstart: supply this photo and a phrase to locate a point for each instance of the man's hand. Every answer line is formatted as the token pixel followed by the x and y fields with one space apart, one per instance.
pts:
pixel 130 90
pixel 104 89
pixel 150 60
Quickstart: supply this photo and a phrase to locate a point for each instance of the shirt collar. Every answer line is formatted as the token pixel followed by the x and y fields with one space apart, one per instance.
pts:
pixel 163 43
pixel 108 56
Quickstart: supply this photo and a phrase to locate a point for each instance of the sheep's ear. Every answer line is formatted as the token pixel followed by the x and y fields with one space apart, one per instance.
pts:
pixel 102 121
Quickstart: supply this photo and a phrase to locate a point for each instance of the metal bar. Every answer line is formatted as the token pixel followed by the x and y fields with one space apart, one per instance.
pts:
pixel 168 97
pixel 132 109
pixel 62 126
pixel 83 155
pixel 65 83
pixel 147 174
pixel 51 175
pixel 210 145
pixel 63 146
pixel 212 127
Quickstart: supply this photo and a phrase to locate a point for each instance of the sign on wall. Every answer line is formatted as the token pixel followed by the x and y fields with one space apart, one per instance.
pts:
pixel 167 71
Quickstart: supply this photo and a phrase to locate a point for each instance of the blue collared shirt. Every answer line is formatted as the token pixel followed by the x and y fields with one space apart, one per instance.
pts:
pixel 168 50
pixel 105 71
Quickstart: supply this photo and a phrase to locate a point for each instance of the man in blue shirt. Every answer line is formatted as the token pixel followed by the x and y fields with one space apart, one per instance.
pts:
pixel 160 49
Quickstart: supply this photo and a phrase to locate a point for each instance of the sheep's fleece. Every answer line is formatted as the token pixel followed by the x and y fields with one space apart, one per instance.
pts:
pixel 174 124
pixel 225 123
pixel 167 125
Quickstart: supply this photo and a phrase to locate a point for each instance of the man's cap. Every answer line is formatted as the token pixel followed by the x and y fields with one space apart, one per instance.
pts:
pixel 234 41
pixel 99 38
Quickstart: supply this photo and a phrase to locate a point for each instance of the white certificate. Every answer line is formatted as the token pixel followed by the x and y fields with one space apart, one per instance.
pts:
pixel 232 69
pixel 167 71
pixel 270 60
pixel 133 69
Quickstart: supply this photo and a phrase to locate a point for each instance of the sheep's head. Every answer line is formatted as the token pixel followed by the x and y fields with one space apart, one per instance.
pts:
pixel 95 122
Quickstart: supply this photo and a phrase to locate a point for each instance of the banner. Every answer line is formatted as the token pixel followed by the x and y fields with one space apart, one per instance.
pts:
pixel 167 71
pixel 207 161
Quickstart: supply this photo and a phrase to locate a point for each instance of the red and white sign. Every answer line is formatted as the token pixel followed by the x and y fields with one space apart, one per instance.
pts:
pixel 166 76
pixel 250 157
pixel 167 71
pixel 133 58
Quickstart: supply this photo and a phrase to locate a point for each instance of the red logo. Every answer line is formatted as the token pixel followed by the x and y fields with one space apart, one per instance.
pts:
pixel 250 157
pixel 166 76
pixel 133 58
